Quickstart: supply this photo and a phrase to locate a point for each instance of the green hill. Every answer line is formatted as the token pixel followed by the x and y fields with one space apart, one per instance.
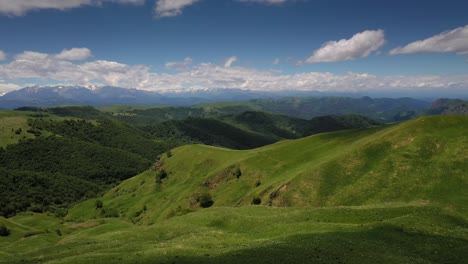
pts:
pixel 80 143
pixel 393 194
pixel 422 161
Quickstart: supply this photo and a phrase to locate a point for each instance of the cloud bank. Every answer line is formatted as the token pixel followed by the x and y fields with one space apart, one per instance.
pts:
pixel 162 8
pixel 454 41
pixel 360 45
pixel 21 7
pixel 66 68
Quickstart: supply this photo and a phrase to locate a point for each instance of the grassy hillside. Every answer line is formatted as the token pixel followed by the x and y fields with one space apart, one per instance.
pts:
pixel 422 161
pixel 249 234
pixel 74 143
pixel 394 194
pixel 13 127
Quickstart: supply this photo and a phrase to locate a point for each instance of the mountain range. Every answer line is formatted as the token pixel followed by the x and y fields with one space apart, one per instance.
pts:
pixel 47 96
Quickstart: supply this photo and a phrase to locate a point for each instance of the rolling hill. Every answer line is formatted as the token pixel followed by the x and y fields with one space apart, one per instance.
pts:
pixel 393 194
pixel 421 161
pixel 43 149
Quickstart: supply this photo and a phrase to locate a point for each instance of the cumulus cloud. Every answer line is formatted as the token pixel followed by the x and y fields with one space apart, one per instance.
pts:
pixel 74 54
pixel 7 87
pixel 229 61
pixel 2 55
pixel 455 41
pixel 170 8
pixel 21 7
pixel 179 65
pixel 360 45
pixel 51 68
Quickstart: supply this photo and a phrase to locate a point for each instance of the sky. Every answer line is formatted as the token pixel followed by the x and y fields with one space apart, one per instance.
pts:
pixel 268 45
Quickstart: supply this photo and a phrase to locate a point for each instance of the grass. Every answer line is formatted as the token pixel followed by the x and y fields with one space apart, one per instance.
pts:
pixel 11 121
pixel 395 194
pixel 422 161
pixel 255 234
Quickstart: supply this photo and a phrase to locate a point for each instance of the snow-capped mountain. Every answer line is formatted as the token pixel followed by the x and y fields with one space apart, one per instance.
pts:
pixel 107 95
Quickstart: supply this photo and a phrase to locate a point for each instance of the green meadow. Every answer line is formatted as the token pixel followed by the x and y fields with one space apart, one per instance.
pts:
pixel 391 194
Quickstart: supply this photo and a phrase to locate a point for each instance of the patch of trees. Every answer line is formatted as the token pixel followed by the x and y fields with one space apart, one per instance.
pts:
pixel 73 158
pixel 106 133
pixel 41 192
pixel 208 131
pixel 50 173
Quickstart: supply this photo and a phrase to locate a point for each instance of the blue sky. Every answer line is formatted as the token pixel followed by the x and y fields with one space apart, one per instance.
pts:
pixel 247 44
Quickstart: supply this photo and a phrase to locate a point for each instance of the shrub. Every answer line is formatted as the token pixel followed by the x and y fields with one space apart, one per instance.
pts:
pixel 205 200
pixel 161 174
pixel 99 204
pixel 256 201
pixel 237 172
pixel 61 212
pixel 4 231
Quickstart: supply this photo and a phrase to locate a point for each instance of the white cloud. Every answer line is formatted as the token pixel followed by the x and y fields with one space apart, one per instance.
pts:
pixel 170 8
pixel 229 61
pixel 360 45
pixel 455 41
pixel 179 65
pixel 74 54
pixel 2 55
pixel 276 61
pixel 21 7
pixel 7 87
pixel 46 68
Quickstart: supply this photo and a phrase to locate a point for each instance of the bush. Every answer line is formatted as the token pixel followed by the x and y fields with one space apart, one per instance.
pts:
pixel 99 204
pixel 205 200
pixel 4 231
pixel 237 172
pixel 256 201
pixel 161 174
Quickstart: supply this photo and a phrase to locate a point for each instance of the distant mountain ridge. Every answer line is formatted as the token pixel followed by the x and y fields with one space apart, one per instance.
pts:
pixel 47 96
pixel 449 107
pixel 107 95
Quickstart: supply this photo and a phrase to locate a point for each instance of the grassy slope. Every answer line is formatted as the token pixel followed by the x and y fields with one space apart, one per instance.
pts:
pixel 422 161
pixel 392 195
pixel 15 120
pixel 250 234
